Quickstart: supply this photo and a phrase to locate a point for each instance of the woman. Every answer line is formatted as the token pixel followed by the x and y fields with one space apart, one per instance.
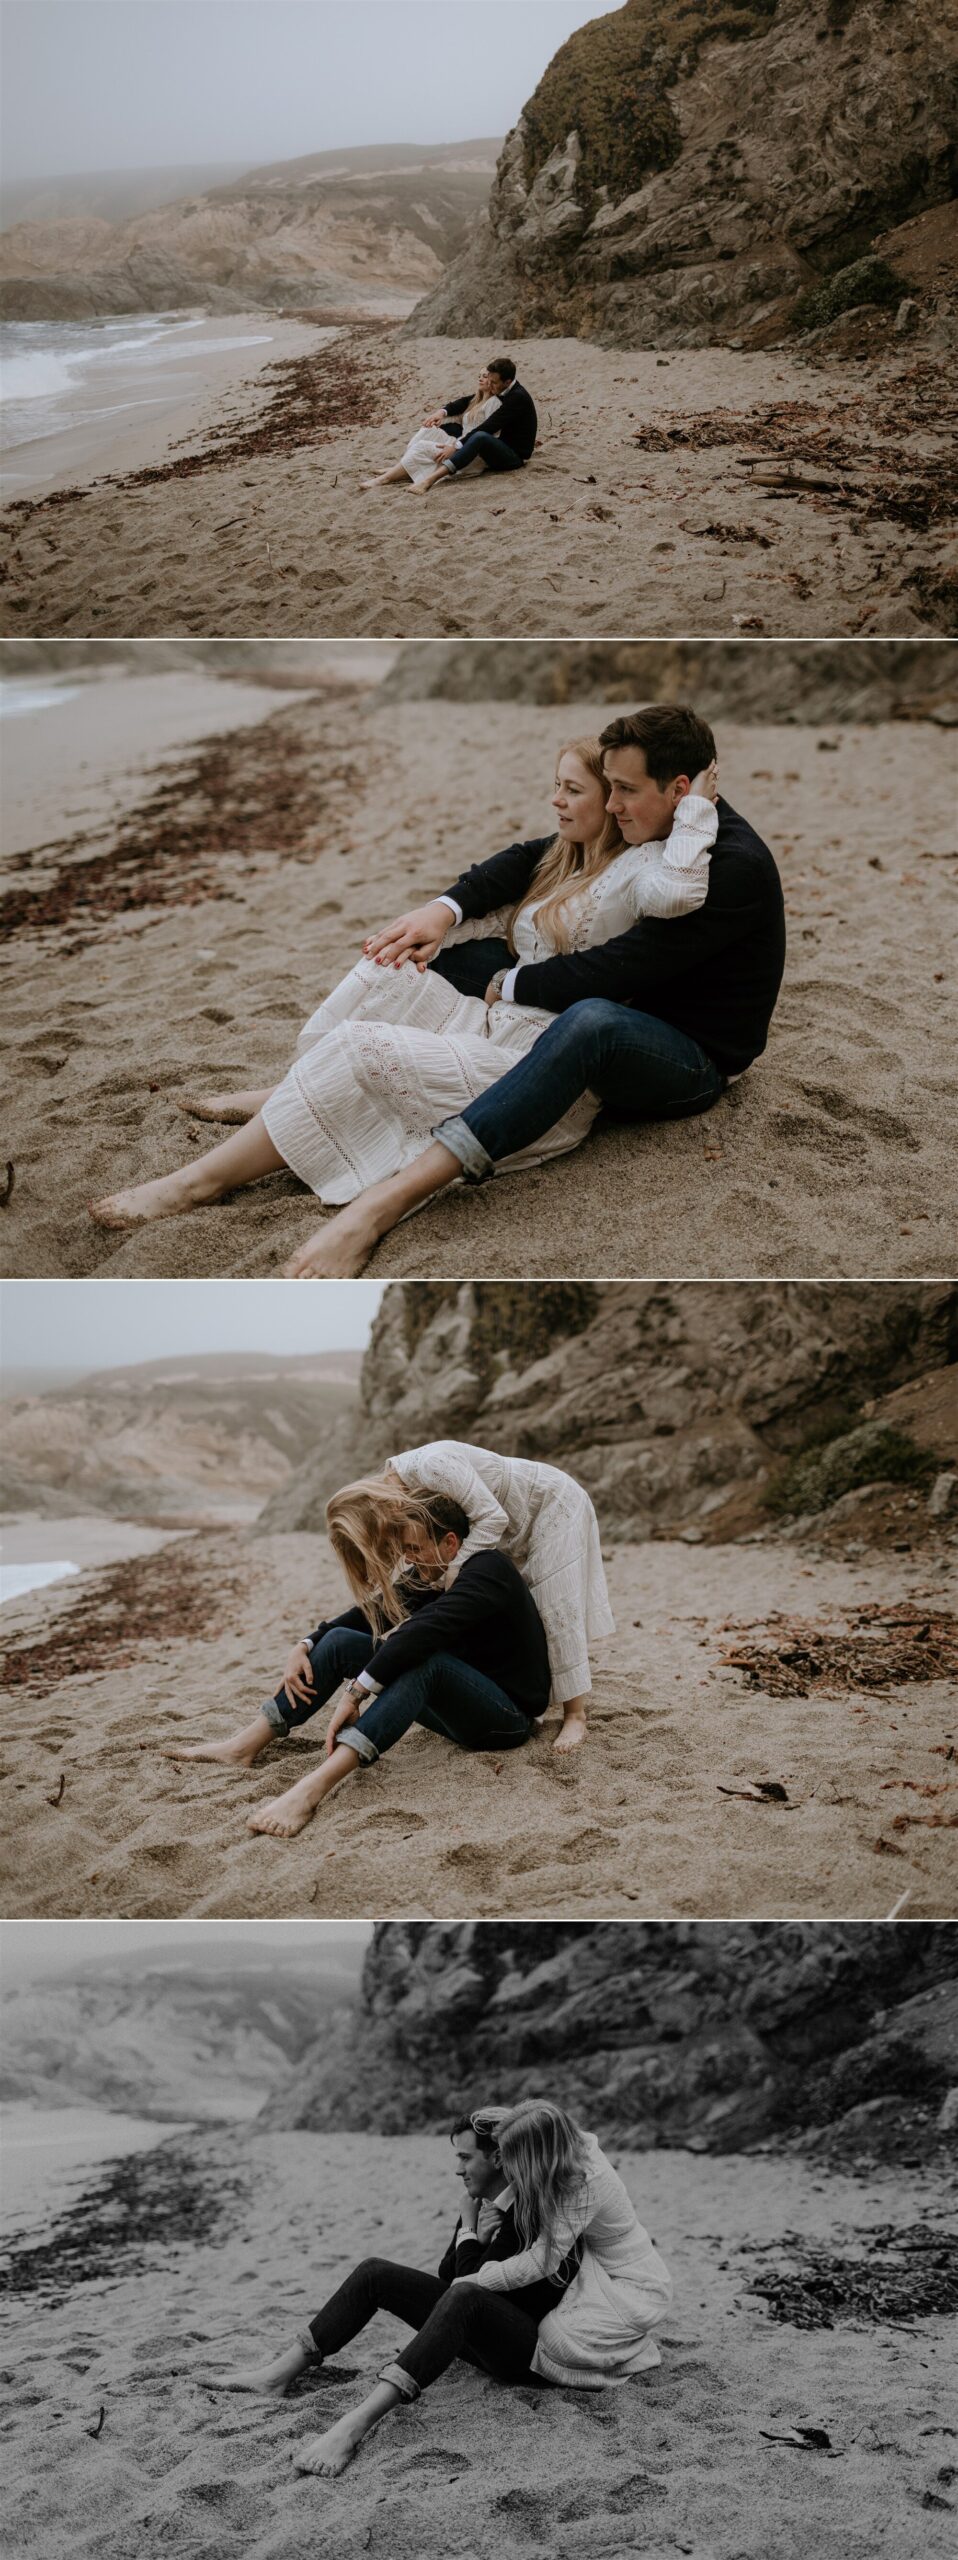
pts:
pixel 438 436
pixel 394 1050
pixel 563 2193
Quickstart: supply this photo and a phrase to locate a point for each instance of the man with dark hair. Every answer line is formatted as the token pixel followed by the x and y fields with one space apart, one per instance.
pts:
pixel 509 439
pixel 469 1661
pixel 451 2315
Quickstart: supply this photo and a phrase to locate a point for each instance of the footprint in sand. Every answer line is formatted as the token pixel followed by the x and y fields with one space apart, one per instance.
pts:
pixel 396 1822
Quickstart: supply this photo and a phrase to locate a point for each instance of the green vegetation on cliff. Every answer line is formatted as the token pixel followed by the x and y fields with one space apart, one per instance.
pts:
pixel 609 81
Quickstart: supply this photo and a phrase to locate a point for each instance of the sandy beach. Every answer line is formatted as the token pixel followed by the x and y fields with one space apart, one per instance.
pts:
pixel 165 385
pixel 646 1822
pixel 199 911
pixel 702 491
pixel 679 2461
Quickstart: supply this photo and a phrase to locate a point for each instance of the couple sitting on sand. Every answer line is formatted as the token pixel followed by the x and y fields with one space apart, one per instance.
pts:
pixel 632 960
pixel 549 2279
pixel 493 428
pixel 447 1632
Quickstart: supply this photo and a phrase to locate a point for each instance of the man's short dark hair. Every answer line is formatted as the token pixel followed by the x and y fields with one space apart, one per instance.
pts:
pixel 444 1514
pixel 502 367
pixel 673 739
pixel 486 2141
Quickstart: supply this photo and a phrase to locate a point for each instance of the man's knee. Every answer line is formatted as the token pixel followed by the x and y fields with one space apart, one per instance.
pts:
pixel 372 2270
pixel 587 1025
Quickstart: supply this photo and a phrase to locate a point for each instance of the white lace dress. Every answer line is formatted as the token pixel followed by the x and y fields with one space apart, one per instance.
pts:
pixel 431 444
pixel 392 1052
pixel 545 1521
pixel 599 2334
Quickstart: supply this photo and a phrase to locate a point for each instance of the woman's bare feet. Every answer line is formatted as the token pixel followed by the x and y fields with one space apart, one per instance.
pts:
pixel 328 2455
pixel 289 1813
pixel 574 1732
pixel 166 1198
pixel 339 1251
pixel 228 1107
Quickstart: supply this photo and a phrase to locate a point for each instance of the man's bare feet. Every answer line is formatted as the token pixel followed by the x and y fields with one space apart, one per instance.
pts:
pixel 289 1813
pixel 228 1107
pixel 339 1251
pixel 329 2454
pixel 574 1732
pixel 166 1198
pixel 265 2377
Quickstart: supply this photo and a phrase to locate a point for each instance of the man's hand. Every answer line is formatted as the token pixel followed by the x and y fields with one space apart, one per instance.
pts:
pixel 417 936
pixel 349 1708
pixel 705 784
pixel 298 1679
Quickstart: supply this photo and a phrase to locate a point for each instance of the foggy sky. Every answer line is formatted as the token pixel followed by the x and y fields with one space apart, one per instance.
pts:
pixel 32 1950
pixel 100 1324
pixel 124 84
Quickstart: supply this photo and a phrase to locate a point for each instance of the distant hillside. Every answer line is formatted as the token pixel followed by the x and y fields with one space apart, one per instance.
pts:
pixel 800 680
pixel 351 230
pixel 172 1440
pixel 170 2041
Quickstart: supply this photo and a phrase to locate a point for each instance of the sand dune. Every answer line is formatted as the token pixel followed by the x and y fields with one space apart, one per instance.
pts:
pixel 676 2462
pixel 830 1158
pixel 186 1646
pixel 701 491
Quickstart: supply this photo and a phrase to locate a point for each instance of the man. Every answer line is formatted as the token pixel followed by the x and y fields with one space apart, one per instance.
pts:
pixel 656 1022
pixel 469 1662
pixel 452 2316
pixel 507 443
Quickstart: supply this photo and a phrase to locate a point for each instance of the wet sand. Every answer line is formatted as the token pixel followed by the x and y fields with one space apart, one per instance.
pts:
pixel 635 1826
pixel 705 491
pixel 830 1157
pixel 675 2462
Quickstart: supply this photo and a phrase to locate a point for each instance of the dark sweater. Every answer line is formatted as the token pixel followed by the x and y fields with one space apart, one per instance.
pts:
pixel 534 2299
pixel 714 974
pixel 515 420
pixel 488 1618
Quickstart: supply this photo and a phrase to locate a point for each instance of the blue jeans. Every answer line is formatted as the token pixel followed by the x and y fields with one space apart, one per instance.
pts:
pixel 445 1694
pixel 479 446
pixel 640 1068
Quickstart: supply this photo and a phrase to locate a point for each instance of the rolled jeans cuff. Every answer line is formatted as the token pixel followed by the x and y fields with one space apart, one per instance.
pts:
pixel 460 1140
pixel 278 1720
pixel 401 2380
pixel 305 2338
pixel 356 1741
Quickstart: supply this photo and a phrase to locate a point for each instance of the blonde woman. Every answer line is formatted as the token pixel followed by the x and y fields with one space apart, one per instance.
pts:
pixel 397 1048
pixel 568 2203
pixel 441 434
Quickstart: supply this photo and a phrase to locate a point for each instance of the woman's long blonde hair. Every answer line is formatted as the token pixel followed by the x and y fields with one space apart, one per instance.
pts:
pixel 543 2152
pixel 565 866
pixel 366 1522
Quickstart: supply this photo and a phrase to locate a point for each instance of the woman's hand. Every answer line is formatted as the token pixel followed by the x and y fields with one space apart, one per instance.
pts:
pixel 345 1713
pixel 298 1679
pixel 705 785
pixel 417 936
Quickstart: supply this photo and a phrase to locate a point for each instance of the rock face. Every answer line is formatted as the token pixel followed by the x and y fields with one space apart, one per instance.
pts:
pixel 276 238
pixel 656 2034
pixel 171 1440
pixel 729 680
pixel 171 2041
pixel 669 1402
pixel 687 168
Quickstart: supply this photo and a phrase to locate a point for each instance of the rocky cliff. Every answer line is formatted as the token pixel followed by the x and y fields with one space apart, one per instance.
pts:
pixel 658 2034
pixel 672 1403
pixel 740 680
pixel 688 170
pixel 169 2040
pixel 170 1439
pixel 323 231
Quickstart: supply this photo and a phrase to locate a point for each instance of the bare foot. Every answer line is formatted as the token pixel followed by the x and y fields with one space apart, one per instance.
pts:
pixel 329 2454
pixel 263 2377
pixel 237 1754
pixel 232 1107
pixel 166 1198
pixel 289 1813
pixel 339 1251
pixel 574 1732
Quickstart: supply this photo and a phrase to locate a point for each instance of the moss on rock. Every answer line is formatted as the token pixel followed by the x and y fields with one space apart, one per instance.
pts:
pixel 609 84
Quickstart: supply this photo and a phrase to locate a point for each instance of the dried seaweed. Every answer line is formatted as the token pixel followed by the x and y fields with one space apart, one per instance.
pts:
pixel 882 1645
pixel 125 1608
pixel 832 460
pixel 908 2273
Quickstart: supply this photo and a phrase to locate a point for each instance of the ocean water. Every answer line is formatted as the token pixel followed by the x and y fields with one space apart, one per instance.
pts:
pixel 46 2153
pixel 53 371
pixel 15 1579
pixel 22 694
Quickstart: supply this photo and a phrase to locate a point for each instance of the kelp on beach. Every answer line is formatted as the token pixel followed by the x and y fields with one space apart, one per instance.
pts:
pixel 149 2202
pixel 830 460
pixel 885 1644
pixel 896 2274
pixel 125 1610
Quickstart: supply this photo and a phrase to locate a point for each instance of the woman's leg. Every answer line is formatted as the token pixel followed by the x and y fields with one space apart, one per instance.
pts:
pixel 225 1106
pixel 382 479
pixel 575 1725
pixel 247 1157
pixel 341 1249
